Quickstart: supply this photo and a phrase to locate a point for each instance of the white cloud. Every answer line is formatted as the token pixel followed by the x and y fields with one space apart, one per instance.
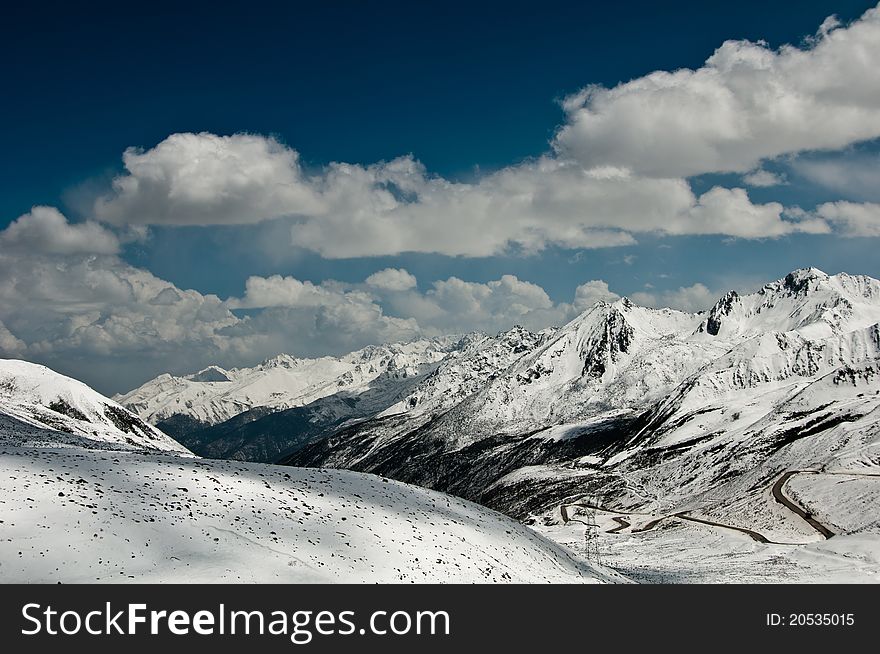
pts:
pixel 761 178
pixel 454 304
pixel 205 179
pixel 393 207
pixel 10 345
pixel 687 298
pixel 392 279
pixel 596 290
pixel 448 306
pixel 617 169
pixel 278 291
pixel 855 175
pixel 746 104
pixel 852 218
pixel 740 217
pixel 46 230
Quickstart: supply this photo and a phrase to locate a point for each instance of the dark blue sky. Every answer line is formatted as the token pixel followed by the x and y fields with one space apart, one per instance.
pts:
pixel 458 84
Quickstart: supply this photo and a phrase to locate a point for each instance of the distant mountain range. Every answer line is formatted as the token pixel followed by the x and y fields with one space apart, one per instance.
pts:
pixel 637 407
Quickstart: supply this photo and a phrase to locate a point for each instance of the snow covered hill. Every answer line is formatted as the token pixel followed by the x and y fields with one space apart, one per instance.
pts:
pixel 85 516
pixel 87 495
pixel 478 360
pixel 37 403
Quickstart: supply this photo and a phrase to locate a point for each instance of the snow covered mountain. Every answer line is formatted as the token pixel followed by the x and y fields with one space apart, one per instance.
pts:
pixel 654 410
pixel 214 395
pixel 91 493
pixel 265 433
pixel 37 403
pixel 478 360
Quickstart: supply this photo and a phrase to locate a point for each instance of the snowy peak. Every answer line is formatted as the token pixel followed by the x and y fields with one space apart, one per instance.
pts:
pixel 214 394
pixel 614 356
pixel 806 300
pixel 477 360
pixel 722 309
pixel 210 374
pixel 597 342
pixel 38 403
pixel 605 341
pixel 803 280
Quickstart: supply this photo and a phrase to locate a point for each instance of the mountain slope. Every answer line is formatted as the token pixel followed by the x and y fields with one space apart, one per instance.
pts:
pixel 37 403
pixel 265 435
pixel 72 511
pixel 152 518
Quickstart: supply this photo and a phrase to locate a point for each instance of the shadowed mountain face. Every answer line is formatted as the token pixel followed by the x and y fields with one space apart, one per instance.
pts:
pixel 264 435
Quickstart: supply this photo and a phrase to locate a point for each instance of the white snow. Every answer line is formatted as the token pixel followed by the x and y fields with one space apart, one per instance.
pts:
pixel 687 552
pixel 82 500
pixel 36 402
pixel 213 395
pixel 91 516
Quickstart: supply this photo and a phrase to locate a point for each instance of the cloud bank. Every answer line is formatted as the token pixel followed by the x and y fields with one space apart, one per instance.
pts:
pixel 66 300
pixel 618 166
pixel 747 103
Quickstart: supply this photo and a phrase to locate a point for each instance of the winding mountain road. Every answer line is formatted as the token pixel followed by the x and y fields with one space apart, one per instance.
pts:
pixel 778 491
pixel 780 497
pixel 622 523
pixel 760 538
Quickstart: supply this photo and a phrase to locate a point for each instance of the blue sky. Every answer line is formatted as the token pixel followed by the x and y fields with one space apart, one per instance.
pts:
pixel 480 102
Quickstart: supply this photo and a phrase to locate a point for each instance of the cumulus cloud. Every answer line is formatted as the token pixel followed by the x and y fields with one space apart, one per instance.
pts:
pixel 392 279
pixel 10 344
pixel 278 291
pixel 745 104
pixel 391 207
pixel 742 218
pixel 596 290
pixel 852 218
pixel 205 179
pixel 617 168
pixel 456 305
pixel 390 300
pixel 46 230
pixel 763 178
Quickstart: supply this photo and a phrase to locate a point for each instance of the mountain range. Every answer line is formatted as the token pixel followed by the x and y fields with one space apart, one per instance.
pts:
pixel 636 408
